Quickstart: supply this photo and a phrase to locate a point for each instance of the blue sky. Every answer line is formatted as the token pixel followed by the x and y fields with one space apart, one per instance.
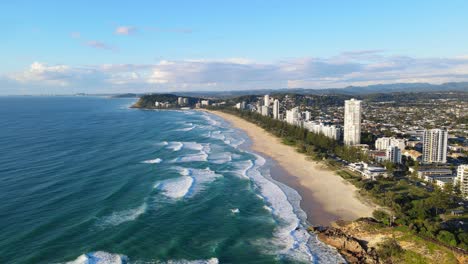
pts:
pixel 116 46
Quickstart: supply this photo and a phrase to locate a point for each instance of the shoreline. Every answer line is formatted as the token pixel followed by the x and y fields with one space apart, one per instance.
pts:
pixel 326 197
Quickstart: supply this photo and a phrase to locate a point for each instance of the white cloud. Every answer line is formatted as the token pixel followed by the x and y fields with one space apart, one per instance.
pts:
pixel 240 73
pixel 125 30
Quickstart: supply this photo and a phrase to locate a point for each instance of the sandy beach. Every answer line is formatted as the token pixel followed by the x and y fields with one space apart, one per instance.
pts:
pixel 325 195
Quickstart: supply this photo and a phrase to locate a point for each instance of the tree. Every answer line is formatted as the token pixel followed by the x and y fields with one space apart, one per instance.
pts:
pixel 390 167
pixel 447 237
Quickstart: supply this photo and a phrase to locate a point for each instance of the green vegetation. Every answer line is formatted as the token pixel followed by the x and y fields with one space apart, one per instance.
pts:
pixel 147 101
pixel 389 251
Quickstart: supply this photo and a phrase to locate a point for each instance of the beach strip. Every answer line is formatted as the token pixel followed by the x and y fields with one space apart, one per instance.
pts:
pixel 323 192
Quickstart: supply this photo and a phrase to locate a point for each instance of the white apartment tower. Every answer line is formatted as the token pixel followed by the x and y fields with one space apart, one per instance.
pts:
pixel 292 116
pixel 394 154
pixel 352 122
pixel 266 100
pixel 264 111
pixel 276 109
pixel 462 179
pixel 435 146
pixel 385 142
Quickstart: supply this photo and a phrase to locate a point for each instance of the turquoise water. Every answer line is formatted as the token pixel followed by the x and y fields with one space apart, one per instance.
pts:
pixel 86 179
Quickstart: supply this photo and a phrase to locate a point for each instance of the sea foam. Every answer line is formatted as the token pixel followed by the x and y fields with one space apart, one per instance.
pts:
pixel 203 261
pixel 120 217
pixel 153 161
pixel 100 257
pixel 175 146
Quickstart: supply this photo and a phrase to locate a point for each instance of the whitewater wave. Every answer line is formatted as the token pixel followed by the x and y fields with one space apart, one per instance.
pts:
pixel 153 161
pixel 227 137
pixel 197 157
pixel 210 119
pixel 120 217
pixel 204 261
pixel 191 182
pixel 220 157
pixel 241 168
pixel 100 257
pixel 175 146
pixel 175 188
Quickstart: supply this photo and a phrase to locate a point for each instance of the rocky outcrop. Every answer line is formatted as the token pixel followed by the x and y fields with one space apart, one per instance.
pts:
pixel 351 248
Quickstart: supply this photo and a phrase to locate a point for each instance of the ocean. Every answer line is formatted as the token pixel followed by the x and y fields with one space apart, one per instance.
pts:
pixel 89 180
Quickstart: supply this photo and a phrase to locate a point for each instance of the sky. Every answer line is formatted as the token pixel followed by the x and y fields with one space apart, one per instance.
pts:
pixel 66 47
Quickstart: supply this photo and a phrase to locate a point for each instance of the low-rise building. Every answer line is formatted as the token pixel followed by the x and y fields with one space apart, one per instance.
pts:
pixel 369 172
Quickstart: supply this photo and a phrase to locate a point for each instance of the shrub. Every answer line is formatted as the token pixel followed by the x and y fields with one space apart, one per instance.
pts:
pixel 381 216
pixel 447 237
pixel 389 250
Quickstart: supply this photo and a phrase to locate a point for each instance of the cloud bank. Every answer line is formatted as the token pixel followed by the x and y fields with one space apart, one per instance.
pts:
pixel 349 68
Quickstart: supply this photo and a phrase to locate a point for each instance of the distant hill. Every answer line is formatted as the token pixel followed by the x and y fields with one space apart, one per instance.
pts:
pixel 350 90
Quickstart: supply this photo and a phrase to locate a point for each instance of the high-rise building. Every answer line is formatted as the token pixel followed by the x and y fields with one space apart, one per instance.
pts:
pixel 462 179
pixel 240 105
pixel 266 100
pixel 276 109
pixel 393 154
pixel 435 146
pixel 265 110
pixel 385 142
pixel 180 101
pixel 352 122
pixel 259 107
pixel 292 116
pixel 307 115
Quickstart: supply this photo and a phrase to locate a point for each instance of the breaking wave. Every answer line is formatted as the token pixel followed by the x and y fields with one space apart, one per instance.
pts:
pixel 153 161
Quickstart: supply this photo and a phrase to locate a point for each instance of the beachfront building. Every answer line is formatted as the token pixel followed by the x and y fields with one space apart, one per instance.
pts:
pixel 205 102
pixel 293 116
pixel 266 100
pixel 385 142
pixel 276 107
pixel 367 171
pixel 240 106
pixel 265 110
pixel 331 131
pixel 393 154
pixel 352 122
pixel 426 174
pixel 462 179
pixel 180 101
pixel 258 107
pixel 434 146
